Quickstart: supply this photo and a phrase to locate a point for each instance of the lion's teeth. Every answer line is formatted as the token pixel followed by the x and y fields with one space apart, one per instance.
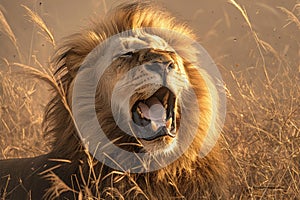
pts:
pixel 154 126
pixel 165 99
pixel 169 123
pixel 140 112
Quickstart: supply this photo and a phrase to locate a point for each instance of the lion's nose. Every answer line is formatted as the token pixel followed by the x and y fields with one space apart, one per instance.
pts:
pixel 160 67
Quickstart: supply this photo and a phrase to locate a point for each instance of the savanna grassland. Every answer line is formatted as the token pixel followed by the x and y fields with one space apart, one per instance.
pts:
pixel 255 46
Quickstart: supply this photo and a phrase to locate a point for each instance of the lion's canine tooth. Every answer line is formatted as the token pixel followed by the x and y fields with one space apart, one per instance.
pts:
pixel 154 126
pixel 165 99
pixel 140 112
pixel 169 123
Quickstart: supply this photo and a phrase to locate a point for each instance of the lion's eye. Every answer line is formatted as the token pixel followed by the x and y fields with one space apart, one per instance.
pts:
pixel 171 66
pixel 127 54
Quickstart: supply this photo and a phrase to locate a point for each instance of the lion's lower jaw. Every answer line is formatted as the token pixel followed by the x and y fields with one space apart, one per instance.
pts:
pixel 162 146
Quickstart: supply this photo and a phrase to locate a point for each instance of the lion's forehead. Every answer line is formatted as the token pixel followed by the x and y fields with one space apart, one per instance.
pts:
pixel 135 41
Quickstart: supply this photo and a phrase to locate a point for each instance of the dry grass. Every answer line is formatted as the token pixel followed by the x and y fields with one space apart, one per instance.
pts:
pixel 262 131
pixel 6 29
pixel 263 138
pixel 20 125
pixel 35 18
pixel 291 17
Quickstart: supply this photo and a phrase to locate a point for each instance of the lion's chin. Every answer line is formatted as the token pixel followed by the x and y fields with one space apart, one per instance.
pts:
pixel 165 144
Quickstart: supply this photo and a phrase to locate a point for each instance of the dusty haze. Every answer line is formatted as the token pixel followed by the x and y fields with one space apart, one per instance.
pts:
pixel 259 63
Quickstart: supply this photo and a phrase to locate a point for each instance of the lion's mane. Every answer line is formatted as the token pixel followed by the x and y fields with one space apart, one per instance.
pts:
pixel 190 177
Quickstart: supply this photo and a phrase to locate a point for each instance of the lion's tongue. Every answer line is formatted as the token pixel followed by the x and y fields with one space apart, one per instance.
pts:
pixel 154 110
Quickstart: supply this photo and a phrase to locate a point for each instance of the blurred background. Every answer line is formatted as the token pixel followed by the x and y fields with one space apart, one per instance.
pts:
pixel 221 28
pixel 255 44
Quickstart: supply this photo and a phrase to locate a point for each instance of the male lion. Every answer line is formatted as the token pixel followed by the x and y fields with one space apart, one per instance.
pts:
pixel 160 156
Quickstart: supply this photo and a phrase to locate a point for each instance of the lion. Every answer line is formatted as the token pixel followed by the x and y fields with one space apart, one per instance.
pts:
pixel 156 111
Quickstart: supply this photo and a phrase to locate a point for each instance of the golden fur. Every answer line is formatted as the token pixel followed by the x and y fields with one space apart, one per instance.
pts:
pixel 189 177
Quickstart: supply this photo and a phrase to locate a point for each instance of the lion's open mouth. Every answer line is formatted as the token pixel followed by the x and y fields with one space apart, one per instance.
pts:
pixel 154 117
